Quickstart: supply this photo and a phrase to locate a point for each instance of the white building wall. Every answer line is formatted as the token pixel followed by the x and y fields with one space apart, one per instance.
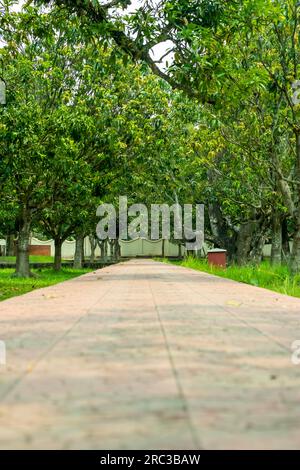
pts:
pixel 144 247
pixel 130 248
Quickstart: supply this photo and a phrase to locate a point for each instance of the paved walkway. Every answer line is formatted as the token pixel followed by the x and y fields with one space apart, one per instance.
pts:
pixel 149 355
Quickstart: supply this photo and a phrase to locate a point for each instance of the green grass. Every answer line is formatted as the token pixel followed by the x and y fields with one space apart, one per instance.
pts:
pixel 10 286
pixel 32 259
pixel 275 278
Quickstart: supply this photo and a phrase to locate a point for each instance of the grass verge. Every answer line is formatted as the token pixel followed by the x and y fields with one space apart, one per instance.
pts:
pixel 32 259
pixel 10 287
pixel 275 278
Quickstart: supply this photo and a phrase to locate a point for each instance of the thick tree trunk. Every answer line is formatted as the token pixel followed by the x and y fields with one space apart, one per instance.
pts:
pixel 276 252
pixel 286 251
pixel 259 239
pixel 223 236
pixel 10 245
pixel 295 256
pixel 244 242
pixel 258 248
pixel 78 256
pixel 22 262
pixel 57 254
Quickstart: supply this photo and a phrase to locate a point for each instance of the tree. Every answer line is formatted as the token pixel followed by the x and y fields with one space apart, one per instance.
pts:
pixel 41 87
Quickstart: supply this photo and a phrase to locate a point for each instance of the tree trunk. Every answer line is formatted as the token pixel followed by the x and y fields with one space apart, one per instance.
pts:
pixel 244 242
pixel 103 250
pixel 112 248
pixel 259 239
pixel 57 254
pixel 223 236
pixel 78 256
pixel 10 245
pixel 93 244
pixel 258 248
pixel 117 251
pixel 286 251
pixel 276 252
pixel 22 262
pixel 163 248
pixel 295 257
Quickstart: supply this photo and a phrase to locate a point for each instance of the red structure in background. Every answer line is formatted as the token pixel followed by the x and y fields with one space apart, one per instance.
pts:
pixel 217 257
pixel 36 250
pixel 40 250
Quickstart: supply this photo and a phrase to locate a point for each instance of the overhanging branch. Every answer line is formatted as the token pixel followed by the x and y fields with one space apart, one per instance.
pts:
pixel 98 13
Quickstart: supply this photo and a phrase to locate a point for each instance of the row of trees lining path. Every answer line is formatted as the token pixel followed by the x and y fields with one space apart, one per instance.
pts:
pixel 92 115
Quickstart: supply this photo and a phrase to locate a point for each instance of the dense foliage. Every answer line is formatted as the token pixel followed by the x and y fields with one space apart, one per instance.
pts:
pixel 92 114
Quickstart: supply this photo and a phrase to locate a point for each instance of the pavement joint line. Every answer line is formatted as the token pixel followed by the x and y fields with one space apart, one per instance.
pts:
pixel 22 377
pixel 236 316
pixel 226 309
pixel 183 341
pixel 181 394
pixel 242 320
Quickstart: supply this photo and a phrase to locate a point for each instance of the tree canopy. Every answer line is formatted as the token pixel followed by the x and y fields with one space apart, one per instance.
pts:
pixel 167 101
